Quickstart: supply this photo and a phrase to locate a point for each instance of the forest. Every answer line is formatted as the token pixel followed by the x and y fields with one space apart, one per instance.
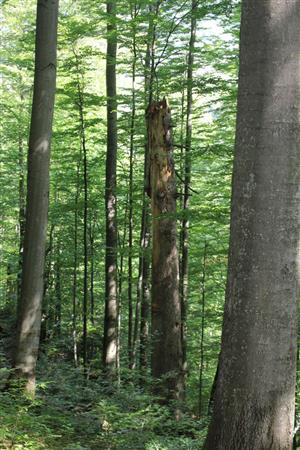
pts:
pixel 149 221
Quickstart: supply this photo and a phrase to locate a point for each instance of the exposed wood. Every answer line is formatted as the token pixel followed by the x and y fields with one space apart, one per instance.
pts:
pixel 166 360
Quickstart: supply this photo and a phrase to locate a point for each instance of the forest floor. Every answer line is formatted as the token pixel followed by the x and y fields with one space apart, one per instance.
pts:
pixel 71 413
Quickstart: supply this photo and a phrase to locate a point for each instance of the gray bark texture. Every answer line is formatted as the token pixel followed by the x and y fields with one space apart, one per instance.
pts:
pixel 255 394
pixel 166 309
pixel 29 314
pixel 110 353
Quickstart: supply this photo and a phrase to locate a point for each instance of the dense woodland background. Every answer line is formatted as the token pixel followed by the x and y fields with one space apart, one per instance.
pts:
pixel 75 406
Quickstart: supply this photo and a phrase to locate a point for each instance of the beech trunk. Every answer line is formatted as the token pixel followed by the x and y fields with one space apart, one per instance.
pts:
pixel 254 401
pixel 29 321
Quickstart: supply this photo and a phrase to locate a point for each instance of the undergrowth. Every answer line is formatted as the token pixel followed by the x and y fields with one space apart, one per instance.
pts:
pixel 70 413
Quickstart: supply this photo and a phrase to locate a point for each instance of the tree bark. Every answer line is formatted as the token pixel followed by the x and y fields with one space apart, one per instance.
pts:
pixel 184 266
pixel 57 311
pixel 255 395
pixel 48 282
pixel 37 193
pixel 21 202
pixel 75 267
pixel 91 237
pixel 132 327
pixel 203 298
pixel 143 288
pixel 166 312
pixel 80 104
pixel 111 301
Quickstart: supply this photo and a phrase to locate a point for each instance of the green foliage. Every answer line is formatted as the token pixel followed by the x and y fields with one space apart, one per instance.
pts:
pixel 71 413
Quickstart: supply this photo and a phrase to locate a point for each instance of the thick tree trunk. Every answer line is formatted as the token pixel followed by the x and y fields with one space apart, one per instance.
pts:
pixel 166 311
pixel 111 301
pixel 37 193
pixel 255 396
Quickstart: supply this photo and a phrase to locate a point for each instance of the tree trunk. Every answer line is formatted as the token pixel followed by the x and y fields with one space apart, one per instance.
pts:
pixel 80 105
pixel 92 296
pixel 57 312
pixel 255 395
pixel 184 275
pixel 132 330
pixel 75 267
pixel 143 288
pixel 120 267
pixel 48 281
pixel 203 298
pixel 21 202
pixel 166 311
pixel 37 193
pixel 111 301
pixel 91 237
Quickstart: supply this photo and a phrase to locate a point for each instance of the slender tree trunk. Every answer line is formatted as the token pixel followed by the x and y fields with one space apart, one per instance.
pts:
pixel 85 232
pixel 255 397
pixel 57 313
pixel 91 236
pixel 47 288
pixel 166 312
pixel 184 275
pixel 203 295
pixel 111 295
pixel 121 246
pixel 143 288
pixel 10 284
pixel 80 105
pixel 132 331
pixel 21 204
pixel 37 193
pixel 75 266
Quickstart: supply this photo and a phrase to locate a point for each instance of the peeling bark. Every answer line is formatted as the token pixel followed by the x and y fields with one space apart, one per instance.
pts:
pixel 166 308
